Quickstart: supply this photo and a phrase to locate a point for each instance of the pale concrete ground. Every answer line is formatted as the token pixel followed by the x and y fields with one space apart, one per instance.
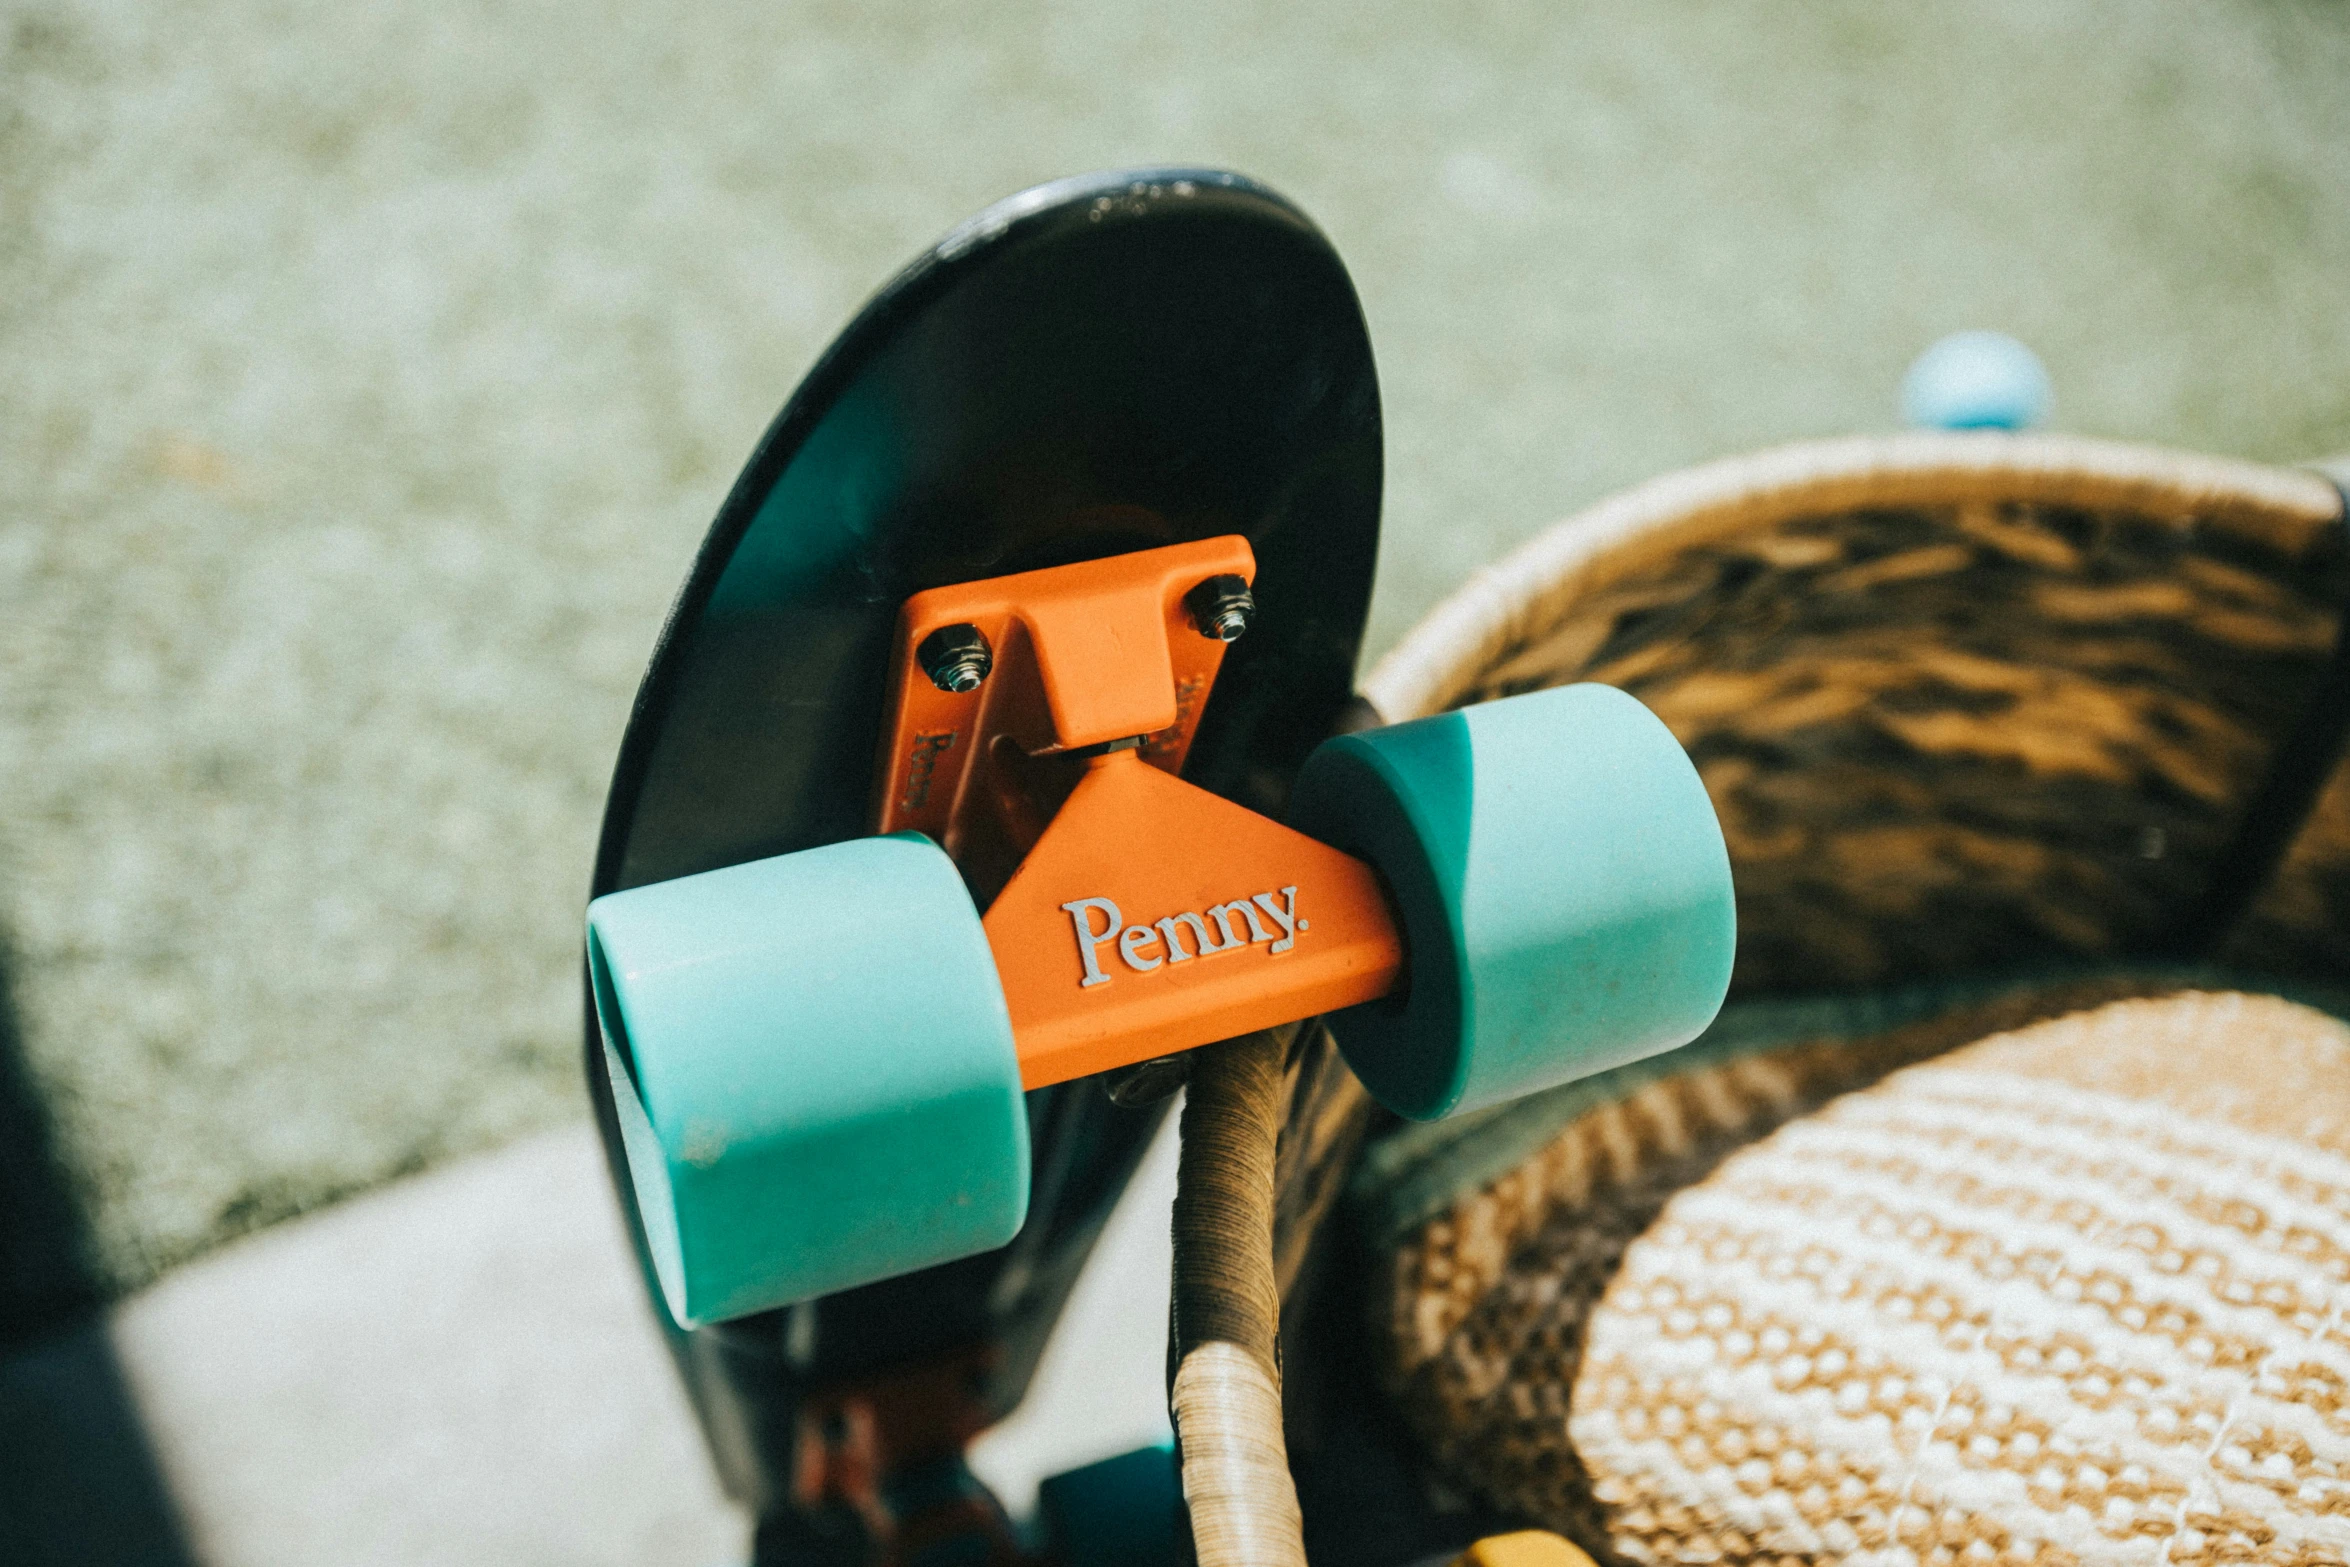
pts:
pixel 456 1369
pixel 460 1369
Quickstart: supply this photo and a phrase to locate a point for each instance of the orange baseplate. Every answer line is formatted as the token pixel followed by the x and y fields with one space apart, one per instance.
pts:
pixel 1134 915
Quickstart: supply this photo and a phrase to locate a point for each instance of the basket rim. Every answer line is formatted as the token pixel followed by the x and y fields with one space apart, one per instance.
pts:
pixel 1501 604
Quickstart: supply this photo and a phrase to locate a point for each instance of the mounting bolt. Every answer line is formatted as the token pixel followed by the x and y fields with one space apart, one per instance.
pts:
pixel 1222 607
pixel 956 658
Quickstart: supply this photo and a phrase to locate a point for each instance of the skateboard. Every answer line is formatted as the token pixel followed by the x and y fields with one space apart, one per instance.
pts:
pixel 990 757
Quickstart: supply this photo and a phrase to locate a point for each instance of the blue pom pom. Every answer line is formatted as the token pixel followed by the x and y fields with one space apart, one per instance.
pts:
pixel 1976 381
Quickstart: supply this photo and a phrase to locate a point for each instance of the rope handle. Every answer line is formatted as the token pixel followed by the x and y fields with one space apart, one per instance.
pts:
pixel 1225 1339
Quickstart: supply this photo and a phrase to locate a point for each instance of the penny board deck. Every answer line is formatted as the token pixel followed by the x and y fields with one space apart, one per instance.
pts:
pixel 1106 363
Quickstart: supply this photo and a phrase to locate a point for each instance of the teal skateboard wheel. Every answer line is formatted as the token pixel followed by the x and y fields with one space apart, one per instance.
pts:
pixel 813 1071
pixel 1562 886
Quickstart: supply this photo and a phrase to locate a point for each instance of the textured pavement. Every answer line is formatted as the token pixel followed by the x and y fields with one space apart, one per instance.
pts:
pixel 368 373
pixel 460 1369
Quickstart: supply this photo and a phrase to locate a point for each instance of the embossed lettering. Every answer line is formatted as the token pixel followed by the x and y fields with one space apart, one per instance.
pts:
pixel 1201 939
pixel 1222 914
pixel 1080 913
pixel 922 766
pixel 1225 927
pixel 1130 946
pixel 1285 918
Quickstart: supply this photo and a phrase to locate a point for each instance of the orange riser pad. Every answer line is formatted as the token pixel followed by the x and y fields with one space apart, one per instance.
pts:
pixel 1084 654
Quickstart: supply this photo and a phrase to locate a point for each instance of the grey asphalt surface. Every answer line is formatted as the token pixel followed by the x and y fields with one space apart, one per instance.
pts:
pixel 368 374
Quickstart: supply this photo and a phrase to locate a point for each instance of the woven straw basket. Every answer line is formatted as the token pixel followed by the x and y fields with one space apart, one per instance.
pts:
pixel 2005 1214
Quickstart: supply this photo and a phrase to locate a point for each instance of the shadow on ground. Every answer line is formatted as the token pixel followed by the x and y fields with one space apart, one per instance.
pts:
pixel 78 1478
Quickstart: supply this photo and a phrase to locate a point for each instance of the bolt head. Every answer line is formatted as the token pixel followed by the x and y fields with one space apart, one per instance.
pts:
pixel 956 658
pixel 1222 608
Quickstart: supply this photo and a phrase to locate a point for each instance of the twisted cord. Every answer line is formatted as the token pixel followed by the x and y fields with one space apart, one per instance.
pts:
pixel 1227 1312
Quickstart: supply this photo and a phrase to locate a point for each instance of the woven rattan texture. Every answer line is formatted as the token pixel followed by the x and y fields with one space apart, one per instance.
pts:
pixel 2076 1293
pixel 2301 922
pixel 1488 1304
pixel 1942 737
pixel 1966 706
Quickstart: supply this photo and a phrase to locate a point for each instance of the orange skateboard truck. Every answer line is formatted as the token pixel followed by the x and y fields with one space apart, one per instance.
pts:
pixel 818 1058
